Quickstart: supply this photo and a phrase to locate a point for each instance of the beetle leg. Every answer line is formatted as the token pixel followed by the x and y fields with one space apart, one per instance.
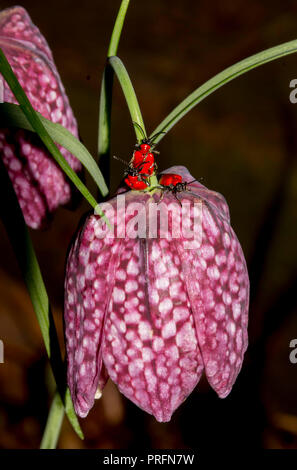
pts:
pixel 163 194
pixel 178 200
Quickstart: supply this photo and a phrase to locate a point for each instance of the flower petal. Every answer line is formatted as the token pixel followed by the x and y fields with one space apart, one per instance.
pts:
pixel 170 309
pixel 87 291
pixel 150 346
pixel 29 196
pixel 212 197
pixel 218 285
pixel 15 23
pixel 32 62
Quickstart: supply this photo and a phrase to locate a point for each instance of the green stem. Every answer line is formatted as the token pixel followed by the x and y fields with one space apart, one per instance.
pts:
pixel 129 94
pixel 12 217
pixel 221 79
pixel 104 126
pixel 104 130
pixel 117 29
pixel 54 422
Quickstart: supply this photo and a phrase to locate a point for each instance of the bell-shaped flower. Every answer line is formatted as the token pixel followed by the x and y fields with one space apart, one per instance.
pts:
pixel 38 181
pixel 156 299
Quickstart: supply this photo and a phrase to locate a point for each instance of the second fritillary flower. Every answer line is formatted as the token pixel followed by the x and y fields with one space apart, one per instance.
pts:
pixel 39 183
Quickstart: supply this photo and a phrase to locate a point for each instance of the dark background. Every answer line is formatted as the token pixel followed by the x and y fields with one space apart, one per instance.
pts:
pixel 242 141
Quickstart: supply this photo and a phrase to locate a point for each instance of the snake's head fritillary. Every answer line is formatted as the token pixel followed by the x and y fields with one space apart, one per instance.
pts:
pixel 152 308
pixel 39 183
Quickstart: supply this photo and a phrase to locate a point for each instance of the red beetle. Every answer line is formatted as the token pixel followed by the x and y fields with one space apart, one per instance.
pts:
pixel 137 171
pixel 169 179
pixel 173 183
pixel 145 146
pixel 142 165
pixel 144 161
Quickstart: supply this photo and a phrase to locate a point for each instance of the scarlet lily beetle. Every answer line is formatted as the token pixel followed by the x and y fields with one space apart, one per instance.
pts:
pixel 173 183
pixel 143 164
pixel 145 146
pixel 135 175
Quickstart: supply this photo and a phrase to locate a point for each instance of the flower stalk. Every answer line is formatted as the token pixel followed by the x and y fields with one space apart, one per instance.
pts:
pixel 24 251
pixel 105 104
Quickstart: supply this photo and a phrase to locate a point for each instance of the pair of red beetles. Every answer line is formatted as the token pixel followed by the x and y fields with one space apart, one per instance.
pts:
pixel 143 165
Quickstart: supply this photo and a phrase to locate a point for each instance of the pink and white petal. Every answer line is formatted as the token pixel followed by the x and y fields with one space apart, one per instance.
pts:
pixel 218 285
pixel 151 351
pixel 15 23
pixel 32 62
pixel 29 196
pixel 42 84
pixel 212 197
pixel 89 280
pixel 50 179
pixel 170 310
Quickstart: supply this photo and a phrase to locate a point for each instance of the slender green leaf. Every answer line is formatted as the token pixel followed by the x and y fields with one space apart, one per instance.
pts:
pixel 104 125
pixel 38 126
pixel 19 237
pixel 221 79
pixel 117 30
pixel 104 130
pixel 129 94
pixel 11 115
pixel 54 422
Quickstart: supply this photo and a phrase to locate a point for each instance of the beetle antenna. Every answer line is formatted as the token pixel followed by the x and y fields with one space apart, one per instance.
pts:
pixel 121 160
pixel 200 179
pixel 138 126
pixel 156 135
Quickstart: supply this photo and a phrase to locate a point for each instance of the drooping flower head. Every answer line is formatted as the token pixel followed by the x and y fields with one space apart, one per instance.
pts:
pixel 39 183
pixel 152 308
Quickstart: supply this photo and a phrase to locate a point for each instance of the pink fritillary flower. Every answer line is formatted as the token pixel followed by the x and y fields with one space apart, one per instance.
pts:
pixel 151 313
pixel 39 183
